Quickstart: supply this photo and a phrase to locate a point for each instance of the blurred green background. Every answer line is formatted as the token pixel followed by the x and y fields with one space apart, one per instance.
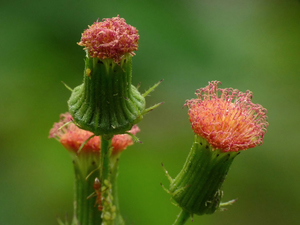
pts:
pixel 251 45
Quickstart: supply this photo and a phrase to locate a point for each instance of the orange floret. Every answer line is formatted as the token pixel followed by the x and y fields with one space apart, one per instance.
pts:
pixel 72 137
pixel 227 118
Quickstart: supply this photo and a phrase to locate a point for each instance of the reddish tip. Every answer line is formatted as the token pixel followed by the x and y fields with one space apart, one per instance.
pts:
pixel 111 38
pixel 72 137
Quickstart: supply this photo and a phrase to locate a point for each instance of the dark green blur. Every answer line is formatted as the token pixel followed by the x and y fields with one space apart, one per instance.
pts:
pixel 251 45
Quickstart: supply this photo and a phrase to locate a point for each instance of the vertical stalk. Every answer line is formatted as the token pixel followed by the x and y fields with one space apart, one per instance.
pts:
pixel 84 208
pixel 108 211
pixel 182 217
pixel 114 164
pixel 104 161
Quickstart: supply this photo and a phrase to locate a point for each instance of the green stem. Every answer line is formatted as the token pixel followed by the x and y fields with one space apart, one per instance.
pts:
pixel 84 207
pixel 105 154
pixel 182 217
pixel 114 162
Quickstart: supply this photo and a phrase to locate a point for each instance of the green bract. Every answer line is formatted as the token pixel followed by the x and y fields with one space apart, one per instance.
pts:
pixel 197 188
pixel 107 103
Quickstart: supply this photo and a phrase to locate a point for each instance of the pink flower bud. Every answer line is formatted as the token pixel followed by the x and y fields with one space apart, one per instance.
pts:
pixel 111 38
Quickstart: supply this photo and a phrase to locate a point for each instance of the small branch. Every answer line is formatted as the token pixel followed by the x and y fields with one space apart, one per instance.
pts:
pixel 70 89
pixel 167 174
pixel 83 144
pixel 151 89
pixel 135 138
pixel 151 108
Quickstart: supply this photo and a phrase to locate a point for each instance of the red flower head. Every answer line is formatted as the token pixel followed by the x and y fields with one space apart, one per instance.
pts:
pixel 227 118
pixel 72 137
pixel 111 38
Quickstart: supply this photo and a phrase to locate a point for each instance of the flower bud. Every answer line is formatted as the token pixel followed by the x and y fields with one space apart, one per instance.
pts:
pixel 225 121
pixel 107 103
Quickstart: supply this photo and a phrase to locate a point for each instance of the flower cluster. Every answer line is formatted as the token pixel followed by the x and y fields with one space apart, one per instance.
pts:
pixel 72 137
pixel 227 118
pixel 111 38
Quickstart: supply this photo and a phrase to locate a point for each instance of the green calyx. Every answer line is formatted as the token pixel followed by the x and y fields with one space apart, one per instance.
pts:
pixel 107 103
pixel 197 188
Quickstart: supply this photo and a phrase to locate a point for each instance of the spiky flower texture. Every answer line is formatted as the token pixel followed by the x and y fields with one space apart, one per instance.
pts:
pixel 227 118
pixel 111 38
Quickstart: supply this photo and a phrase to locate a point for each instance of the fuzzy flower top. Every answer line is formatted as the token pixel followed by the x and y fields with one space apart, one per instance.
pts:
pixel 72 137
pixel 111 38
pixel 227 118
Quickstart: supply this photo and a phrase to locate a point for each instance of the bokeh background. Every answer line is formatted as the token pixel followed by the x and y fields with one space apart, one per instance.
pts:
pixel 251 45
